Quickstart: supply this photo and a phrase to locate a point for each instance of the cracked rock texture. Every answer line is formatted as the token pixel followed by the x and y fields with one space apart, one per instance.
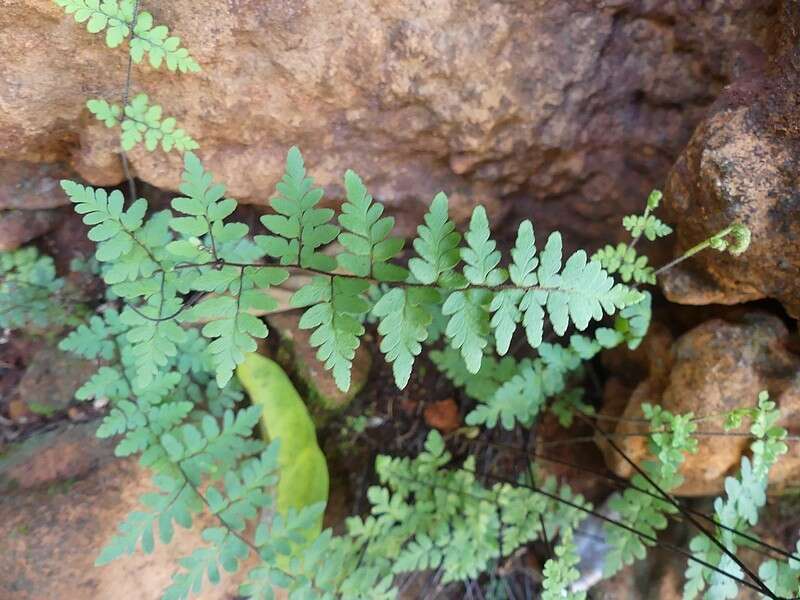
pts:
pixel 583 102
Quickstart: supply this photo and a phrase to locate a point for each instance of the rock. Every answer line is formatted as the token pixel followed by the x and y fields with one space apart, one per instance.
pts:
pixel 51 380
pixel 586 103
pixel 443 415
pixel 18 227
pixel 32 186
pixel 299 359
pixel 715 367
pixel 53 535
pixel 62 454
pixel 741 165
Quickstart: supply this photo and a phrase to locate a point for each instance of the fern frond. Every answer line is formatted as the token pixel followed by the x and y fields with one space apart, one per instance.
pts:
pixel 365 235
pixel 299 228
pixel 650 226
pixel 478 386
pixel 335 305
pixel 738 509
pixel 436 247
pixel 560 572
pixel 116 18
pixel 155 41
pixel 113 16
pixel 404 323
pixel 518 399
pixel 624 260
pixel 647 513
pixel 142 122
pixel 29 290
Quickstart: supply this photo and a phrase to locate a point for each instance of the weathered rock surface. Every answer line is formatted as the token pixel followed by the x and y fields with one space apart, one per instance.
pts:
pixel 18 227
pixel 51 380
pixel 58 520
pixel 584 102
pixel 712 369
pixel 741 165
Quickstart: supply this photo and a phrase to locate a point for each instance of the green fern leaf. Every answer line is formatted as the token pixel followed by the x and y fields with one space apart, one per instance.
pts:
pixel 468 328
pixel 560 572
pixel 335 304
pixel 155 41
pixel 299 227
pixel 107 113
pixel 481 256
pixel 115 16
pixel 518 400
pixel 143 122
pixel 479 386
pixel 234 330
pixel 204 201
pixel 135 530
pixel 437 247
pixel 365 235
pixel 648 225
pixel 404 326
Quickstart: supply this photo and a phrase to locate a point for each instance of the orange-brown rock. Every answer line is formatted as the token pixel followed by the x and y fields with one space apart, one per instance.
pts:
pixel 18 227
pixel 741 165
pixel 584 102
pixel 54 530
pixel 442 415
pixel 712 369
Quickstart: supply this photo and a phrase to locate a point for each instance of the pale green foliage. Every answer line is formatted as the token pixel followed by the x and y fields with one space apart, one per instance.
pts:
pixel 29 290
pixel 624 260
pixel 365 235
pixel 425 513
pixel 143 123
pixel 560 572
pixel 299 228
pixel 236 290
pixel 738 510
pixel 650 226
pixel 647 224
pixel 115 17
pixel 335 305
pixel 734 239
pixel 578 293
pixel 481 385
pixel 509 392
pixel 782 577
pixel 437 247
pixel 640 507
pixel 404 321
pixel 173 401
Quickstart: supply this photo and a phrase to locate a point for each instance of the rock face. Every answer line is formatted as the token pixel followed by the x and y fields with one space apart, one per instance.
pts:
pixel 586 102
pixel 712 369
pixel 741 165
pixel 72 493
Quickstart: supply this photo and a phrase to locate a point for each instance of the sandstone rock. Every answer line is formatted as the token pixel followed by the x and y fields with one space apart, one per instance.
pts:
pixel 18 227
pixel 47 458
pixel 31 186
pixel 299 358
pixel 584 102
pixel 741 165
pixel 51 380
pixel 54 532
pixel 712 369
pixel 443 415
